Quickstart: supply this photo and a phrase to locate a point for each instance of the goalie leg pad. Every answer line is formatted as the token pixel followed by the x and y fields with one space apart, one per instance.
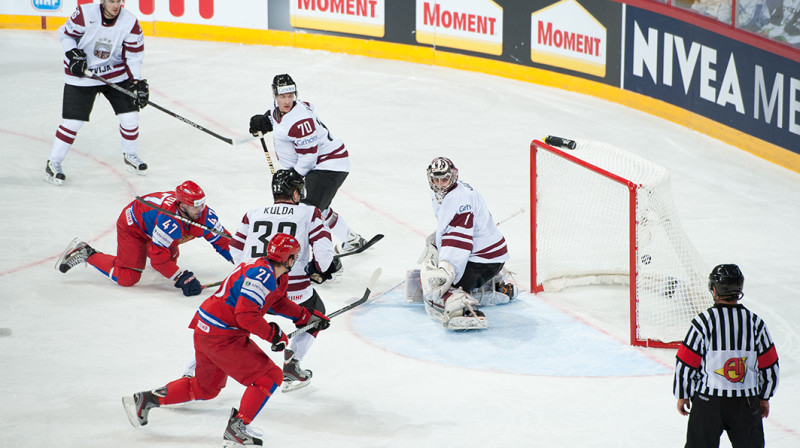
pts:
pixel 460 314
pixel 497 291
pixel 413 286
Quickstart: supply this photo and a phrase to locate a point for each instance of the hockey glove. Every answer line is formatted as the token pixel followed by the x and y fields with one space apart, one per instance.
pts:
pixel 319 277
pixel 142 91
pixel 278 339
pixel 437 280
pixel 312 316
pixel 260 123
pixel 76 62
pixel 190 285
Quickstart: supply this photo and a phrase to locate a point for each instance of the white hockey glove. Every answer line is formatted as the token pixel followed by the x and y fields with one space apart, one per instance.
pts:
pixel 430 252
pixel 435 279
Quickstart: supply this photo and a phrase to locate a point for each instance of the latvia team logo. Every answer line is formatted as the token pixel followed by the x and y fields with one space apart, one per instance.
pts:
pixel 734 370
pixel 102 49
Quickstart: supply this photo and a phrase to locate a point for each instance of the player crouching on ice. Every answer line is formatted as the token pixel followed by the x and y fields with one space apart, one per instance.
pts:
pixel 223 347
pixel 462 266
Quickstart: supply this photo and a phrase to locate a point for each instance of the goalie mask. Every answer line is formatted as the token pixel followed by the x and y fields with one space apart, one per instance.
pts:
pixel 283 84
pixel 285 182
pixel 442 177
pixel 728 281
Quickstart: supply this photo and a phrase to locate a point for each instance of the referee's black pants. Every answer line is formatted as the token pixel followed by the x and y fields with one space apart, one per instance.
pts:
pixel 740 417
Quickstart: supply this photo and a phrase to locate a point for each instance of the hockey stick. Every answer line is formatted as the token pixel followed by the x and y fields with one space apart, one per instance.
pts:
pixel 211 285
pixel 266 153
pixel 181 218
pixel 521 210
pixel 366 246
pixel 349 307
pixel 191 123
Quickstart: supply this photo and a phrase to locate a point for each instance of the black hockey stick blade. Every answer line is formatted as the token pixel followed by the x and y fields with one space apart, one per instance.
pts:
pixel 366 246
pixel 345 308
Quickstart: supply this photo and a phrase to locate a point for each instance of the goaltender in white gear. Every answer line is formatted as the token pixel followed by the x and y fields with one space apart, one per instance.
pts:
pixel 462 266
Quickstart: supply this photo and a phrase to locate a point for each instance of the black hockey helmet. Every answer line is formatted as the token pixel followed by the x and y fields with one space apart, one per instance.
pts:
pixel 728 281
pixel 285 182
pixel 283 84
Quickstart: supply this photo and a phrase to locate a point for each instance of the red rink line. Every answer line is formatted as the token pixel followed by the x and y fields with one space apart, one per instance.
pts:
pixel 80 153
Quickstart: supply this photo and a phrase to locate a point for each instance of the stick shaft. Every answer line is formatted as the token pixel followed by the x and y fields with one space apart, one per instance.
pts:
pixel 162 109
pixel 181 218
pixel 266 154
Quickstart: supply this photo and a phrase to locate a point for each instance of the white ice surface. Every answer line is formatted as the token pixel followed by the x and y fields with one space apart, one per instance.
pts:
pixel 554 370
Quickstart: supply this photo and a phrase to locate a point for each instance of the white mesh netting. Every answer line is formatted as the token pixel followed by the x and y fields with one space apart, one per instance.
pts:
pixel 583 237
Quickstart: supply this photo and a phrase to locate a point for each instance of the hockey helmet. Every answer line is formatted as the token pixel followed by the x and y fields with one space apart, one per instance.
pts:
pixel 283 84
pixel 191 194
pixel 442 177
pixel 285 182
pixel 728 281
pixel 282 247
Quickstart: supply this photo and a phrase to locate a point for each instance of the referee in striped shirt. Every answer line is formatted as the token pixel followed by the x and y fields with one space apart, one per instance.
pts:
pixel 727 366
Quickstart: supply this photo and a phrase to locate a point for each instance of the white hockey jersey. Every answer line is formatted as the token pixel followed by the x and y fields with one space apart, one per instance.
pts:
pixel 302 142
pixel 465 230
pixel 302 221
pixel 114 52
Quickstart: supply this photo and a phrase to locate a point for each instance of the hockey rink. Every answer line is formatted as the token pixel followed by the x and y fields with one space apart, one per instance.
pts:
pixel 553 370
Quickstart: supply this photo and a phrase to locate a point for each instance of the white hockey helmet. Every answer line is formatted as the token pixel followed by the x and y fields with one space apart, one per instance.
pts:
pixel 442 177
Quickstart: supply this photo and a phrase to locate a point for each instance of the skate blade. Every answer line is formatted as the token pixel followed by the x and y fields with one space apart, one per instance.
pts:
pixel 52 180
pixel 72 245
pixel 135 170
pixel 294 385
pixel 130 411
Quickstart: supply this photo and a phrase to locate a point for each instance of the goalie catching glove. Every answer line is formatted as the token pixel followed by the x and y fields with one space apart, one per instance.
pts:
pixel 435 279
pixel 312 316
pixel 313 272
pixel 260 124
pixel 278 339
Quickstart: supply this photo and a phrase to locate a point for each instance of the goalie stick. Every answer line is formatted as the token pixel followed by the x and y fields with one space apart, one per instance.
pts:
pixel 346 308
pixel 181 218
pixel 191 123
pixel 366 246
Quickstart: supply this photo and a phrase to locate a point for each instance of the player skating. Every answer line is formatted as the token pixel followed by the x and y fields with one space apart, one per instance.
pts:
pixel 304 144
pixel 144 231
pixel 107 40
pixel 223 347
pixel 304 222
pixel 463 267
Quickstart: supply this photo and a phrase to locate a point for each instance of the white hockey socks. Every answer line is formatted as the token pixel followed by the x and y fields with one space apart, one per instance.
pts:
pixel 65 137
pixel 129 130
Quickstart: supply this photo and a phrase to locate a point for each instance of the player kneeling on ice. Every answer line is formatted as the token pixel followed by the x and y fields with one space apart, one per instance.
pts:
pixel 305 221
pixel 462 266
pixel 153 227
pixel 223 347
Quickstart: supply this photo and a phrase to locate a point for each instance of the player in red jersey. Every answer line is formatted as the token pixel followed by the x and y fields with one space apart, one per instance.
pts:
pixel 223 347
pixel 144 231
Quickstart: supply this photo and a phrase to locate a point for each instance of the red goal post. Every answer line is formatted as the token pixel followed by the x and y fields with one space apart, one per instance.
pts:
pixel 600 215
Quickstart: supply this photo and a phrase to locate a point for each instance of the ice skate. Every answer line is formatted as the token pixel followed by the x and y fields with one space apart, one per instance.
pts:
pixel 138 406
pixel 353 244
pixel 53 173
pixel 76 253
pixel 134 164
pixel 294 376
pixel 237 434
pixel 459 313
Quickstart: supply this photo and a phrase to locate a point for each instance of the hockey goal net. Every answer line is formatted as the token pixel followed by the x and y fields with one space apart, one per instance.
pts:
pixel 601 215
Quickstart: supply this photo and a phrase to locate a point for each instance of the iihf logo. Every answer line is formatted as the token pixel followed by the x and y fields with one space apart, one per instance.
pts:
pixel 46 5
pixel 102 49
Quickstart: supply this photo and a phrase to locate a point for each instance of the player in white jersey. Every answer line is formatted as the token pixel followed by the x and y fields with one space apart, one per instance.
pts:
pixel 463 266
pixel 107 40
pixel 305 145
pixel 305 223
